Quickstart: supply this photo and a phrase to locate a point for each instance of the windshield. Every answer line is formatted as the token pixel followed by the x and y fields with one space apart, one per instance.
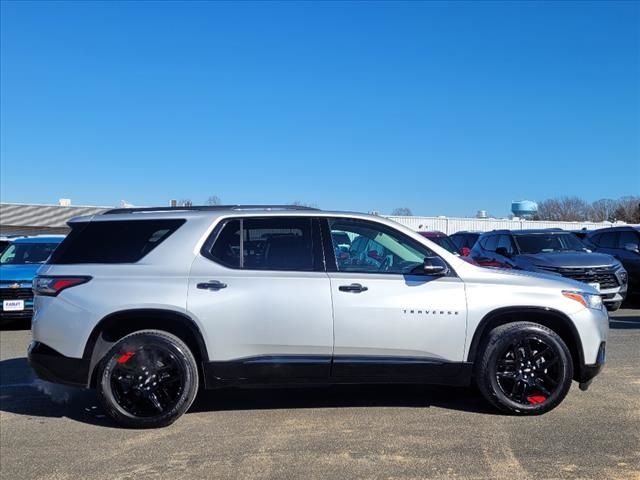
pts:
pixel 549 242
pixel 446 243
pixel 27 253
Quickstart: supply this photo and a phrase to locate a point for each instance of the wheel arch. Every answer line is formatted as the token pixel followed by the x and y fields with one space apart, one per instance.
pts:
pixel 550 318
pixel 118 324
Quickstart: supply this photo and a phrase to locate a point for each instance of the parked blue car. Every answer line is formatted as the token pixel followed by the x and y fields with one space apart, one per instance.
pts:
pixel 19 263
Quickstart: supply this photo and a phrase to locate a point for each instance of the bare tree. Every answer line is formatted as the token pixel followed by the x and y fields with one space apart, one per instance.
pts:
pixel 214 200
pixel 628 209
pixel 568 209
pixel 401 212
pixel 603 210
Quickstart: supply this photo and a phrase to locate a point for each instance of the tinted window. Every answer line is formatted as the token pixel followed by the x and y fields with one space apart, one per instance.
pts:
pixel 627 237
pixel 458 240
pixel 608 240
pixel 548 242
pixel 446 243
pixel 266 244
pixel 375 248
pixel 490 243
pixel 464 239
pixel 226 249
pixel 27 253
pixel 119 241
pixel 504 241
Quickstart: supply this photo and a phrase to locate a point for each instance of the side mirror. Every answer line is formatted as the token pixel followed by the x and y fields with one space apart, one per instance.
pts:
pixel 503 251
pixel 435 266
pixel 465 251
pixel 632 247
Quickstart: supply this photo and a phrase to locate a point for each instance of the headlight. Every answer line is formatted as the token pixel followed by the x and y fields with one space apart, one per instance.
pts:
pixel 622 275
pixel 587 299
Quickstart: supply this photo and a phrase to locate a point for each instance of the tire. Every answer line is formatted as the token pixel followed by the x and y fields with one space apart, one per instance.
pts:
pixel 612 307
pixel 147 380
pixel 512 356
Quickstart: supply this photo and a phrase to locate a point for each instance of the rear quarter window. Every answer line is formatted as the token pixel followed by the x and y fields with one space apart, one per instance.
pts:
pixel 118 241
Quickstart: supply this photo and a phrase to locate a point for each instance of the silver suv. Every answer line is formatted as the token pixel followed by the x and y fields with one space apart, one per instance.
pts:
pixel 145 305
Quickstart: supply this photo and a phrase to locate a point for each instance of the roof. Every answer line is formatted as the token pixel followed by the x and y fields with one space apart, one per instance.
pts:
pixel 209 208
pixel 529 231
pixel 50 216
pixel 40 239
pixel 204 213
pixel 625 228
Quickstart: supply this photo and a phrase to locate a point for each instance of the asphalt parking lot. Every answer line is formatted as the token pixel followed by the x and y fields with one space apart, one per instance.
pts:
pixel 53 432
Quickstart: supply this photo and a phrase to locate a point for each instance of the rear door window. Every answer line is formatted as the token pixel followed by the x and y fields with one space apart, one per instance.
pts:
pixel 608 240
pixel 490 243
pixel 278 243
pixel 626 238
pixel 504 241
pixel 117 241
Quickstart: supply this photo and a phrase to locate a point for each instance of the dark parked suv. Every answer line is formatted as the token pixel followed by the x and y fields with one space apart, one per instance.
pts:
pixel 623 243
pixel 556 252
pixel 465 241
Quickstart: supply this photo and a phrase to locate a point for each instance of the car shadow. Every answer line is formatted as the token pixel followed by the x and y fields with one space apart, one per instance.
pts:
pixel 12 324
pixel 21 393
pixel 624 322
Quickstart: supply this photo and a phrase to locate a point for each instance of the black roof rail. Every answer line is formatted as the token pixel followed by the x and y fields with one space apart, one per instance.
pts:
pixel 206 208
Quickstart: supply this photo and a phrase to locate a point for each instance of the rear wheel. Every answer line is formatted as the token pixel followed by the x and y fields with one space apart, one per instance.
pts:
pixel 525 369
pixel 148 379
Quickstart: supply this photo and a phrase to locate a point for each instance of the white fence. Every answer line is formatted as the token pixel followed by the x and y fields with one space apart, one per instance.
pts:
pixel 453 225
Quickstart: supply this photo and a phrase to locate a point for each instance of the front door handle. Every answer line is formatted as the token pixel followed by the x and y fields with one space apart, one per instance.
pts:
pixel 354 287
pixel 211 285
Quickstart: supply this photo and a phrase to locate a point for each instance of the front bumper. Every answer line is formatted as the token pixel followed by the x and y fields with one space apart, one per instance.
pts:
pixel 614 295
pixel 52 366
pixel 588 372
pixel 23 293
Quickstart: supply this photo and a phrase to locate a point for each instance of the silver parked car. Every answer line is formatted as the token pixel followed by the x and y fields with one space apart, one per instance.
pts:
pixel 146 304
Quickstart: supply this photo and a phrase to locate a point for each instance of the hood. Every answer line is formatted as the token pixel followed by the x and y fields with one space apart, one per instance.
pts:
pixel 18 273
pixel 569 259
pixel 526 278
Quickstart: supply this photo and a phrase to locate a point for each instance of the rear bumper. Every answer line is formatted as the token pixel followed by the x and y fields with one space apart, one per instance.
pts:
pixel 52 366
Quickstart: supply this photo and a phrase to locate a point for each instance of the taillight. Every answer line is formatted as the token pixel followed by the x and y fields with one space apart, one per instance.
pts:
pixel 52 286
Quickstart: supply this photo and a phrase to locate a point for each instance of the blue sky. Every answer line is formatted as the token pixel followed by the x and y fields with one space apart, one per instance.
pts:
pixel 445 108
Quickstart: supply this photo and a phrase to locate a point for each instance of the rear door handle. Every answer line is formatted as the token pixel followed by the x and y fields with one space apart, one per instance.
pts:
pixel 211 285
pixel 354 287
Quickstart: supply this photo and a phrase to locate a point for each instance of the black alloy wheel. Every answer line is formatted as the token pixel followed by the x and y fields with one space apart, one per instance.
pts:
pixel 524 368
pixel 148 379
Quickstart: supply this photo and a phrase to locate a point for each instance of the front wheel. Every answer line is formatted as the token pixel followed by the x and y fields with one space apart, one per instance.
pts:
pixel 525 369
pixel 148 379
pixel 612 307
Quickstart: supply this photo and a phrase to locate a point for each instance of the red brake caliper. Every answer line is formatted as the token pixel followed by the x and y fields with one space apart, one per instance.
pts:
pixel 124 358
pixel 535 399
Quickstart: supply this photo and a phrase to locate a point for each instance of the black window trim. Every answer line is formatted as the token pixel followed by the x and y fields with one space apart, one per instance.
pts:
pixel 317 253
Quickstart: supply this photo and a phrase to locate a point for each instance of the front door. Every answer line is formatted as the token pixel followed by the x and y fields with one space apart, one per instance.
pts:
pixel 390 319
pixel 262 295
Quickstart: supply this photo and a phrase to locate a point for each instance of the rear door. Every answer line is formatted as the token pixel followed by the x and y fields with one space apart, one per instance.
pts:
pixel 261 292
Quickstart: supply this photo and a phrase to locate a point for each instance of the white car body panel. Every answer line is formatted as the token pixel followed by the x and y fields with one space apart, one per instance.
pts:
pixel 262 313
pixel 268 313
pixel 400 316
